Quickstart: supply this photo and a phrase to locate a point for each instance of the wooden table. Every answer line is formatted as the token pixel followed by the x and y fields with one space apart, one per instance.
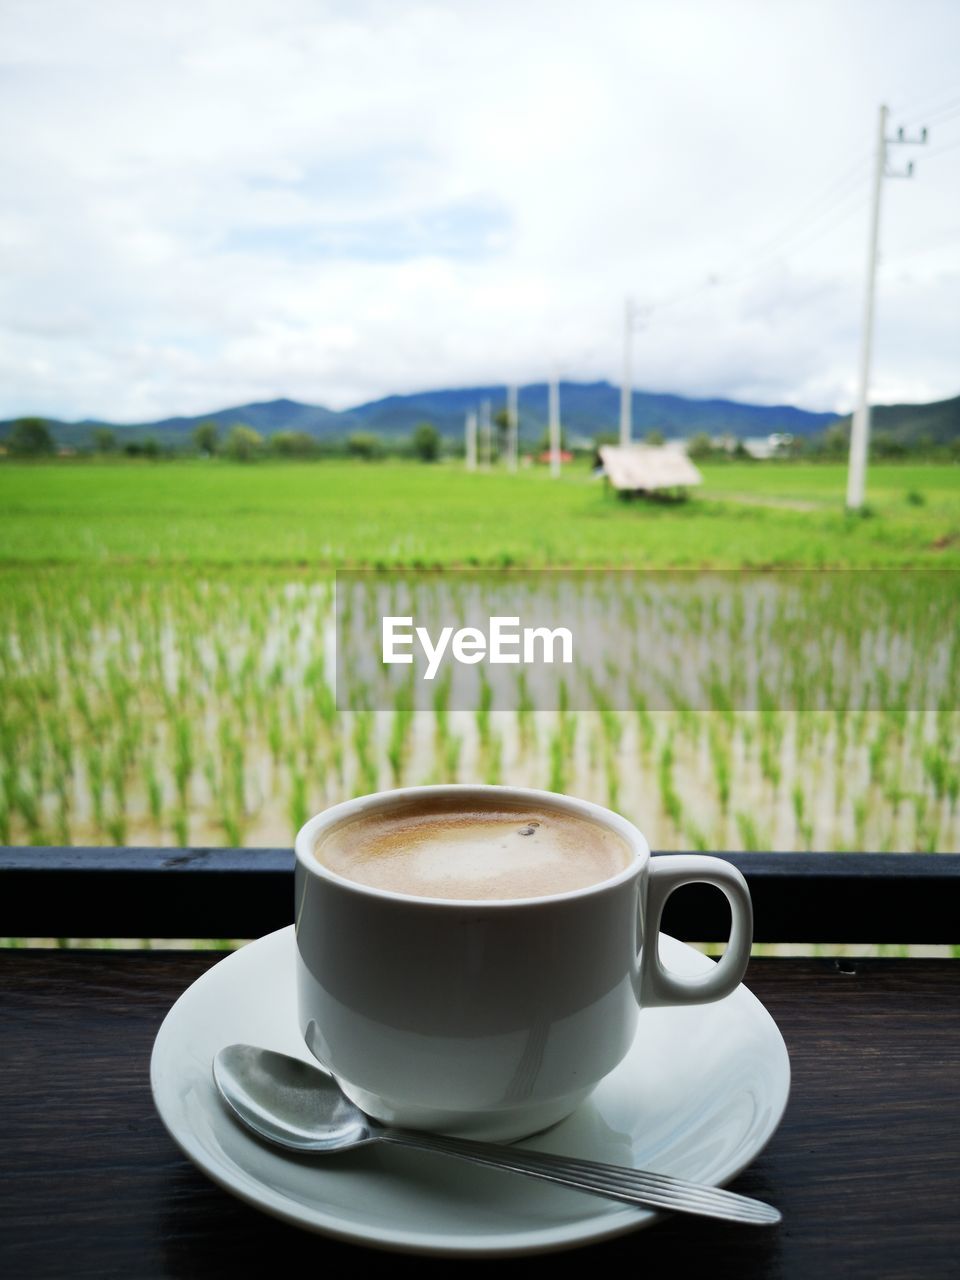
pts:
pixel 864 1166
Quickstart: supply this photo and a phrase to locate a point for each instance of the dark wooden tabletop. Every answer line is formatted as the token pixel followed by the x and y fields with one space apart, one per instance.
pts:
pixel 864 1166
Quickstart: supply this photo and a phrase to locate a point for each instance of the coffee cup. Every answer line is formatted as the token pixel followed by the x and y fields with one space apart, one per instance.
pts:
pixel 444 995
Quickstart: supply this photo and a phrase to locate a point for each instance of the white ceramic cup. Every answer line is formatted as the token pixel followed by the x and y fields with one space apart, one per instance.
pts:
pixel 492 1018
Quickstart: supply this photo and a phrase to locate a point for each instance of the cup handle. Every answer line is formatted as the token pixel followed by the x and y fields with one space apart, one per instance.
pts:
pixel 658 986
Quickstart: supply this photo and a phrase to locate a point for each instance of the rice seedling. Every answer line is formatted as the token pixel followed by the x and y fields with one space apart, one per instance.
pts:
pixel 493 761
pixel 720 758
pixel 482 712
pixel 183 759
pixel 299 810
pixel 645 722
pixel 611 766
pixel 94 762
pixel 770 763
pixel 860 822
pixel 441 706
pixel 117 827
pixel 181 829
pixel 750 837
pixel 367 771
pixel 669 797
pixel 937 769
pixel 524 704
pixel 452 749
pixel 558 763
pixel 399 734
pixel 696 838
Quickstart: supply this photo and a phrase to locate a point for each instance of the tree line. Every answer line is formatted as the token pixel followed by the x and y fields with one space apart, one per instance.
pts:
pixel 32 438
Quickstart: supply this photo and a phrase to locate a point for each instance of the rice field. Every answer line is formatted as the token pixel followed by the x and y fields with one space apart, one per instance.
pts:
pixel 189 710
pixel 167 657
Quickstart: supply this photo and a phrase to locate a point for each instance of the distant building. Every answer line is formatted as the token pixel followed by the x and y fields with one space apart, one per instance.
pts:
pixel 774 445
pixel 565 456
pixel 726 442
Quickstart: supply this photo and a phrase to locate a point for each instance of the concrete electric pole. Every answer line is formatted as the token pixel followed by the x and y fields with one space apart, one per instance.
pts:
pixel 513 427
pixel 860 429
pixel 626 387
pixel 486 434
pixel 554 427
pixel 470 449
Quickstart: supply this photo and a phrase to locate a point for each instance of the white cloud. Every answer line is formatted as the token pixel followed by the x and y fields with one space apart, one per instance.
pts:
pixel 214 202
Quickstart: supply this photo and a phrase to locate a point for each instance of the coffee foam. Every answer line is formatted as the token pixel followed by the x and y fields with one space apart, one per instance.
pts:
pixel 468 851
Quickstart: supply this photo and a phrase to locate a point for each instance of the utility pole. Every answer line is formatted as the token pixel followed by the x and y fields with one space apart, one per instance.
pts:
pixel 626 387
pixel 486 433
pixel 470 429
pixel 554 427
pixel 860 429
pixel 513 427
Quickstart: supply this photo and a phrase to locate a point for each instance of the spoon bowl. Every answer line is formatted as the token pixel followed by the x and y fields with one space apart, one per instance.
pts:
pixel 289 1102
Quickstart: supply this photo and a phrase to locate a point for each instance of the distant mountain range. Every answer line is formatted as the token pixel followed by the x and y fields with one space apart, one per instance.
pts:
pixel 938 421
pixel 586 409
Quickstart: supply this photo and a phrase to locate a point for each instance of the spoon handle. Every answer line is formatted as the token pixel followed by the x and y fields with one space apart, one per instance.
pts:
pixel 634 1186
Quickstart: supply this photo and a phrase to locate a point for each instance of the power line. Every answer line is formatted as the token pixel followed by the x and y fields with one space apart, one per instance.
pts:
pixel 929 105
pixel 836 193
pixel 801 239
pixel 842 197
pixel 804 237
pixel 928 246
pixel 945 118
pixel 829 199
pixel 942 151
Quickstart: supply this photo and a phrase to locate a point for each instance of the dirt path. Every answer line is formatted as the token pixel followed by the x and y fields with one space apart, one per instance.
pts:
pixel 752 500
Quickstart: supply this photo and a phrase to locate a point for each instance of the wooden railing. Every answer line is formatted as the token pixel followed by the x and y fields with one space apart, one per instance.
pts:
pixel 244 893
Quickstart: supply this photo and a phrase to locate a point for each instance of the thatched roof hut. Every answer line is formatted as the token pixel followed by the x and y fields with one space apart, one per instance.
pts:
pixel 645 468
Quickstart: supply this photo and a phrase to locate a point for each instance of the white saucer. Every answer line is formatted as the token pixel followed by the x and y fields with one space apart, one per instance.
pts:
pixel 700 1099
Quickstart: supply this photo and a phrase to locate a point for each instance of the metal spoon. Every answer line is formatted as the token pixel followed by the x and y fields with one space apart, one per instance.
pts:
pixel 300 1107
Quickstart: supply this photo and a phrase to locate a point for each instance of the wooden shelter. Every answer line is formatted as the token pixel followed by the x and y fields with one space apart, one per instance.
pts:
pixel 644 468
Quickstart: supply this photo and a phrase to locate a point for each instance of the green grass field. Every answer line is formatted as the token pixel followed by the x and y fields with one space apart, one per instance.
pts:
pixel 163 676
pixel 408 514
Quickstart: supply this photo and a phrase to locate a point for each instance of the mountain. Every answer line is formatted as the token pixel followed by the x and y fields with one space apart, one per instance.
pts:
pixel 938 421
pixel 586 408
pixel 267 417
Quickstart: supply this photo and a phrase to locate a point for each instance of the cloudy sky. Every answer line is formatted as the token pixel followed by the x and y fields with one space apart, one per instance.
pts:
pixel 208 202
